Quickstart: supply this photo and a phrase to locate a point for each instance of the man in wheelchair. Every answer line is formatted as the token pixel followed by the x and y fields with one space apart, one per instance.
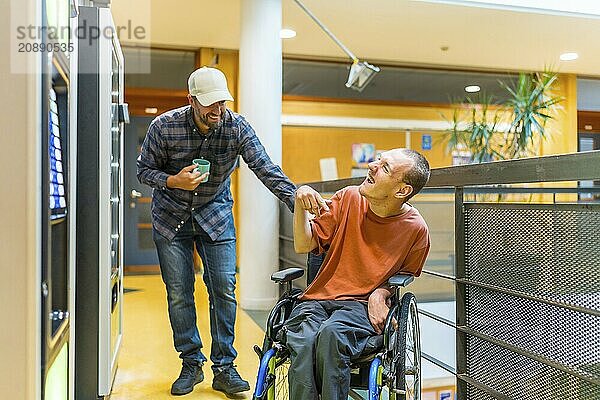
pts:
pixel 370 233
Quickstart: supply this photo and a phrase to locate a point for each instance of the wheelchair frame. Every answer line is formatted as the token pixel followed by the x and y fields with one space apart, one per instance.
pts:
pixel 396 365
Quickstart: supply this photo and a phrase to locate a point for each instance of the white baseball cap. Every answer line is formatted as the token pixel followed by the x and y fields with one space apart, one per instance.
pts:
pixel 209 86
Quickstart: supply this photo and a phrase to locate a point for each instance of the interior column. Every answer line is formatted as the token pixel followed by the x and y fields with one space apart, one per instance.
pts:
pixel 260 102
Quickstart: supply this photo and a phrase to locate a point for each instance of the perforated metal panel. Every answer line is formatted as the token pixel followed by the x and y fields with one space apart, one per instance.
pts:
pixel 474 393
pixel 532 300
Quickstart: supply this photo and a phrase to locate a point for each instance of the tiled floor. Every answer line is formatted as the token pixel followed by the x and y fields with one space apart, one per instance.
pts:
pixel 148 363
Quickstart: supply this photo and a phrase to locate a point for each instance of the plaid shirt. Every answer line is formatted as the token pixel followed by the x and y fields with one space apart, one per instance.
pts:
pixel 173 141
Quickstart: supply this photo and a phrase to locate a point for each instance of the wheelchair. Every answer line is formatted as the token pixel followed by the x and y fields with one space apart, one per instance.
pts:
pixel 389 367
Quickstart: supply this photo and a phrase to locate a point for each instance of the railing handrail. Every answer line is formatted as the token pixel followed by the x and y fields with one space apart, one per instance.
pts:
pixel 554 168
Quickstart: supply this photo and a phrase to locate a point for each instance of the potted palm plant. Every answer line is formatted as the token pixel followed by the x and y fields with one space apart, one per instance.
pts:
pixel 489 130
pixel 531 104
pixel 475 129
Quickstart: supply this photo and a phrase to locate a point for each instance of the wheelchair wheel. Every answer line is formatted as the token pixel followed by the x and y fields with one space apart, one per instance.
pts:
pixel 408 344
pixel 280 388
pixel 403 358
pixel 275 379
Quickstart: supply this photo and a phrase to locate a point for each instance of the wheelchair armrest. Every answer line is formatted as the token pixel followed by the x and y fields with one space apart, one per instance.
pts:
pixel 401 280
pixel 287 275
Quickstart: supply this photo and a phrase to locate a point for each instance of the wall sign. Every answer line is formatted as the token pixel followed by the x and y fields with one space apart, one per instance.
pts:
pixel 426 142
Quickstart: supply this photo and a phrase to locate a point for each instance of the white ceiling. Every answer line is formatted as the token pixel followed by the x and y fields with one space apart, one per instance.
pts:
pixel 403 32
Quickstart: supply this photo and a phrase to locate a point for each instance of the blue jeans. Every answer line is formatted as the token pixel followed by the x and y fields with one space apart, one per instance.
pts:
pixel 177 270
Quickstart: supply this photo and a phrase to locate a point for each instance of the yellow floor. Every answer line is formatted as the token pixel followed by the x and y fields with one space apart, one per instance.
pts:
pixel 148 363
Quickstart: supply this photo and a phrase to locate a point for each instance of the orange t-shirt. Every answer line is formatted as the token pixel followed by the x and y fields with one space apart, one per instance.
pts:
pixel 364 250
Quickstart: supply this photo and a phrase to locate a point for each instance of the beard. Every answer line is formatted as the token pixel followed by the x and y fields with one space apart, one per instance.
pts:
pixel 204 120
pixel 211 124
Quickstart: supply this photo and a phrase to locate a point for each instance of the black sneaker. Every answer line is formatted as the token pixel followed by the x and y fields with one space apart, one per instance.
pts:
pixel 191 374
pixel 230 382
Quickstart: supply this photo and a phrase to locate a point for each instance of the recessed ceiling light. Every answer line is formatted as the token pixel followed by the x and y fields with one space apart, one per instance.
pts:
pixel 151 110
pixel 569 56
pixel 472 89
pixel 287 33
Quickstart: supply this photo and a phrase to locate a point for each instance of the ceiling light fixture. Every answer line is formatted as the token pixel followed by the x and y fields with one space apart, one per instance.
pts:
pixel 569 56
pixel 472 89
pixel 286 33
pixel 361 72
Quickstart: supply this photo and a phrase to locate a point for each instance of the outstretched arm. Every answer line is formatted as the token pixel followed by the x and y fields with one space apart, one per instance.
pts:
pixel 307 200
pixel 270 174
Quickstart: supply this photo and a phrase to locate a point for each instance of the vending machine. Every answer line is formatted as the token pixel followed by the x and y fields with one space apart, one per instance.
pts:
pixel 101 115
pixel 58 171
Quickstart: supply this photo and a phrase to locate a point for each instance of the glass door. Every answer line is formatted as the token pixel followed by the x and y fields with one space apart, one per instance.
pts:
pixel 140 252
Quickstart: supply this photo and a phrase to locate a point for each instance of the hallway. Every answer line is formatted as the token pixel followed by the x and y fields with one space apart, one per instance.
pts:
pixel 148 363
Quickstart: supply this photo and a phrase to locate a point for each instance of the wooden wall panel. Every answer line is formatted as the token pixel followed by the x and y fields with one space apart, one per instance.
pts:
pixel 429 112
pixel 303 147
pixel 562 131
pixel 588 121
pixel 162 99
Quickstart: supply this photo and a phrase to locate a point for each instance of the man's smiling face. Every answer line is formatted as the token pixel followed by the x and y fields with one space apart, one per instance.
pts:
pixel 384 178
pixel 209 116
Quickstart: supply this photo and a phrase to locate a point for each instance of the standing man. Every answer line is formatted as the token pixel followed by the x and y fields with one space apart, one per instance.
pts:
pixel 188 210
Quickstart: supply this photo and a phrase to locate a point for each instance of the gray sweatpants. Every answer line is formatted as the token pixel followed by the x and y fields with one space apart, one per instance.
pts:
pixel 323 337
